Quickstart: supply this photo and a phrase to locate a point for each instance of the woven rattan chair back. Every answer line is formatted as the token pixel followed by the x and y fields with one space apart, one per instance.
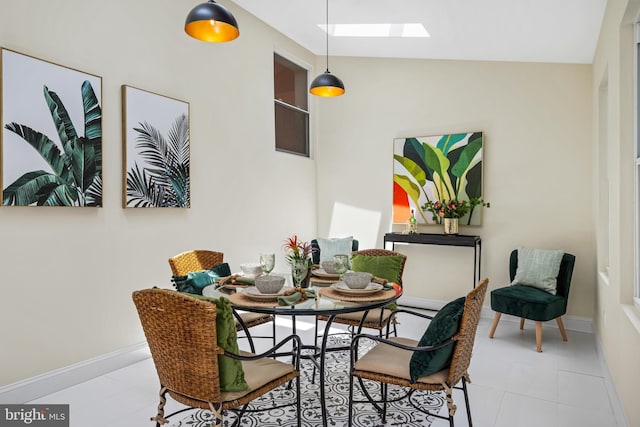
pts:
pixel 195 260
pixel 466 334
pixel 181 333
pixel 384 252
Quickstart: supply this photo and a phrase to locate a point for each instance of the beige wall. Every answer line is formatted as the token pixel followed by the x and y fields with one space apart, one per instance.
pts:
pixel 68 273
pixel 613 68
pixel 536 119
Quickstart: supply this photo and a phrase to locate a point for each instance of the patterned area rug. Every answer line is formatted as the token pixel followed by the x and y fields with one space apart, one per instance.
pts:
pixel 337 400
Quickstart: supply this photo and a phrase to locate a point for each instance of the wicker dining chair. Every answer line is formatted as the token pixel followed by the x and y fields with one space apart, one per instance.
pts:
pixel 181 334
pixel 388 362
pixel 200 259
pixel 378 318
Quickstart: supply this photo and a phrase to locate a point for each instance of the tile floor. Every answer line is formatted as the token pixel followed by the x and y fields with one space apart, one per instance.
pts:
pixel 512 385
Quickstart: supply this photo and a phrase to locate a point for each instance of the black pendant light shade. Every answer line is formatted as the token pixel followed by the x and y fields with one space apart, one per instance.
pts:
pixel 211 22
pixel 327 84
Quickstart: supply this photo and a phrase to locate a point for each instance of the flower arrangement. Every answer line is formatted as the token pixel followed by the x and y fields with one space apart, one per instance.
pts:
pixel 296 249
pixel 453 208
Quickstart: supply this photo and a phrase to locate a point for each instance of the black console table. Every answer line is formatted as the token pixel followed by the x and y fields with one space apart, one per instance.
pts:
pixel 474 242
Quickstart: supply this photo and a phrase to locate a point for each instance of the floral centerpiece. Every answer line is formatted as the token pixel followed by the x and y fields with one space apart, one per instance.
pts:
pixel 298 255
pixel 453 208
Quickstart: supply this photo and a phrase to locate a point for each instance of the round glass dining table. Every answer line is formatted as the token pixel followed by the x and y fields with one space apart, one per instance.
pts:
pixel 327 302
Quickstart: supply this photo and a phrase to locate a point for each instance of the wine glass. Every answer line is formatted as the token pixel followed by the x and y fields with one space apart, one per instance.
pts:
pixel 267 262
pixel 299 270
pixel 341 264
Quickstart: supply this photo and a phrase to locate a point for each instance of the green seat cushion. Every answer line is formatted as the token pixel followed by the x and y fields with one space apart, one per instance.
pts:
pixel 443 326
pixel 195 281
pixel 538 268
pixel 386 267
pixel 528 302
pixel 230 370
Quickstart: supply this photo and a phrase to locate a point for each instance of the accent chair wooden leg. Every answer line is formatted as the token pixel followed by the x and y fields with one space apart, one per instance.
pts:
pixel 539 337
pixel 561 327
pixel 494 325
pixel 521 323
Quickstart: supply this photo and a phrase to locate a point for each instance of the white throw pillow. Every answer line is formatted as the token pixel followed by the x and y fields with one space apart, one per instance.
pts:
pixel 538 268
pixel 335 246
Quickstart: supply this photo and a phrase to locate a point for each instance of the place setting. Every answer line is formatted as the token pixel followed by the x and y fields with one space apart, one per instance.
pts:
pixel 358 286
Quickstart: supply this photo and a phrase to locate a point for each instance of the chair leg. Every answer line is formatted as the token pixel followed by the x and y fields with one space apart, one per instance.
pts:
pixel 494 325
pixel 273 322
pixel 522 323
pixel 539 337
pixel 561 327
pixel 466 400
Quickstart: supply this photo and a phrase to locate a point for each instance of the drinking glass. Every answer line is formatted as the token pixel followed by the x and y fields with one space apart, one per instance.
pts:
pixel 267 262
pixel 341 264
pixel 299 270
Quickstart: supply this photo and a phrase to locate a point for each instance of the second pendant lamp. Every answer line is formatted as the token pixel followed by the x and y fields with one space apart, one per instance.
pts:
pixel 327 84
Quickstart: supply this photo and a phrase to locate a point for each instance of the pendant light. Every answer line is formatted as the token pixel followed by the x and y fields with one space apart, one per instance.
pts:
pixel 211 22
pixel 327 84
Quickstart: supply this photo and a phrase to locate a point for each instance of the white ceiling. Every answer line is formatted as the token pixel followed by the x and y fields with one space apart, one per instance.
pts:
pixel 495 30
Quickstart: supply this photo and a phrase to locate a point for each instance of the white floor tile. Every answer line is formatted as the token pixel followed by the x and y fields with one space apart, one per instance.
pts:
pixel 524 411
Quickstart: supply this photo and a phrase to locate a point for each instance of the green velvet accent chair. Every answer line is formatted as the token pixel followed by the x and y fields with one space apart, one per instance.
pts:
pixel 528 302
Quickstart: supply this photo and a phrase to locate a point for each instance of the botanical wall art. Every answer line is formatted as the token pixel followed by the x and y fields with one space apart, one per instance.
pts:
pixel 436 168
pixel 51 134
pixel 156 150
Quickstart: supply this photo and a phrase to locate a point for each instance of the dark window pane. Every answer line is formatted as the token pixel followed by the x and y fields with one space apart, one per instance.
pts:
pixel 291 106
pixel 290 82
pixel 291 130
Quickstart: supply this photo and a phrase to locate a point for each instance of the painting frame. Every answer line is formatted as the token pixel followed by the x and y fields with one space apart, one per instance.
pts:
pixel 156 150
pixel 437 168
pixel 47 159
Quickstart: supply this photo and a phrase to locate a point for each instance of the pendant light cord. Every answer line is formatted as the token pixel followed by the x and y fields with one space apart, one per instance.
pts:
pixel 327 9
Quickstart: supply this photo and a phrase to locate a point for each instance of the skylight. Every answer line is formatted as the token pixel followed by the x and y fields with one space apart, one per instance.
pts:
pixel 376 30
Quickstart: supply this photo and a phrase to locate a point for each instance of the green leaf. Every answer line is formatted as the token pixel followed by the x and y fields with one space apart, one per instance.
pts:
pixel 24 191
pixel 437 161
pixel 466 157
pixel 62 121
pixel 447 141
pixel 44 146
pixel 412 190
pixel 414 151
pixel 416 171
pixel 83 165
pixel 92 113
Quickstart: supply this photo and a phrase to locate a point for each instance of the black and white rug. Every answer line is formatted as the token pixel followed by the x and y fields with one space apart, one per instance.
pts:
pixel 337 401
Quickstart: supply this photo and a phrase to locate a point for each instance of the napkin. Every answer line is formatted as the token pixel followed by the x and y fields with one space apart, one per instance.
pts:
pixel 295 295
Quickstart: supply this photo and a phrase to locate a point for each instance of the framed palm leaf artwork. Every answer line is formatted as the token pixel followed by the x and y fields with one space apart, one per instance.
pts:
pixel 156 150
pixel 51 134
pixel 439 168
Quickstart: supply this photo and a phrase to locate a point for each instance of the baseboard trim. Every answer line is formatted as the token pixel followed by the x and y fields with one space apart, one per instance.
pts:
pixel 50 382
pixel 571 323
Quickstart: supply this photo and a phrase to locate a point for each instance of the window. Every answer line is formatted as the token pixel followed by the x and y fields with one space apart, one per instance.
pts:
pixel 291 106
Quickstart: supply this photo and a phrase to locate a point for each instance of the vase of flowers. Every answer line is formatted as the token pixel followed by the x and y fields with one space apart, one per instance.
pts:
pixel 449 212
pixel 298 255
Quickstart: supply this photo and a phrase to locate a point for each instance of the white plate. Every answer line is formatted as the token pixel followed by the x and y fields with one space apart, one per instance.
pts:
pixel 319 272
pixel 255 294
pixel 371 288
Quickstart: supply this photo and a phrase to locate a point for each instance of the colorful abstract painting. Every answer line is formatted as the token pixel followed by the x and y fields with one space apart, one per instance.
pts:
pixel 432 168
